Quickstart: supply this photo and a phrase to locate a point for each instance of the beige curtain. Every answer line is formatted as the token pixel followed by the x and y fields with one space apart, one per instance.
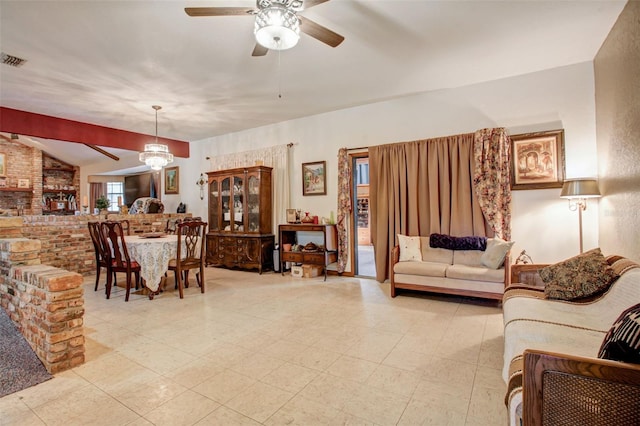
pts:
pixel 422 187
pixel 276 157
pixel 96 190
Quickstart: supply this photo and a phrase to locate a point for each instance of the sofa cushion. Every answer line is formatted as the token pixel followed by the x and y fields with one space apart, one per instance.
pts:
pixel 622 341
pixel 497 249
pixel 581 276
pixel 457 243
pixel 430 269
pixel 409 248
pixel 430 254
pixel 467 257
pixel 473 273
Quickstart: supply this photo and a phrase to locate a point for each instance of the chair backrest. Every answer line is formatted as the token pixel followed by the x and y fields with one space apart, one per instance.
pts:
pixel 94 233
pixel 191 241
pixel 192 219
pixel 125 226
pixel 115 247
pixel 172 224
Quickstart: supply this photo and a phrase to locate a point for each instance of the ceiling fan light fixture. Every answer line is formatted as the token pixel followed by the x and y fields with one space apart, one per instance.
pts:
pixel 156 155
pixel 277 27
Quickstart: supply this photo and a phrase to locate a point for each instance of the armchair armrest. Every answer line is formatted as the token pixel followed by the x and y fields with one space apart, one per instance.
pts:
pixel 563 389
pixel 527 274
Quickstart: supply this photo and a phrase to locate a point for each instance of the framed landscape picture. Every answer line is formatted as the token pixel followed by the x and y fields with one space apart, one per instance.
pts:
pixel 23 183
pixel 314 179
pixel 537 160
pixel 171 180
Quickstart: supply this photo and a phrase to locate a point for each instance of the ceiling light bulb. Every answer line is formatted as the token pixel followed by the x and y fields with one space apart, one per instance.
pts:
pixel 277 28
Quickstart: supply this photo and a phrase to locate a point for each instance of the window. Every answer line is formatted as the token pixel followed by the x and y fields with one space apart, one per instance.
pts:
pixel 115 191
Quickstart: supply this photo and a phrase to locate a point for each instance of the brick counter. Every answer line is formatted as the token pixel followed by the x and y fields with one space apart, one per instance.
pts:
pixel 65 240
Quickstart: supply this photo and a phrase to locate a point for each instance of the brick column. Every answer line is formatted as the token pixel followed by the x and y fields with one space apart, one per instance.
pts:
pixel 46 303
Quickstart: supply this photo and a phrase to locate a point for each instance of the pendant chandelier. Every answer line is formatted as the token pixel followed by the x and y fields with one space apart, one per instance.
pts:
pixel 277 27
pixel 156 155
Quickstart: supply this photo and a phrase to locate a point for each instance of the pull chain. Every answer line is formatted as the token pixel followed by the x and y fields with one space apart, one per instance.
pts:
pixel 279 71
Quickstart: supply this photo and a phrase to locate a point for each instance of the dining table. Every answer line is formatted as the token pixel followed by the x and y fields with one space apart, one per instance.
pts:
pixel 152 251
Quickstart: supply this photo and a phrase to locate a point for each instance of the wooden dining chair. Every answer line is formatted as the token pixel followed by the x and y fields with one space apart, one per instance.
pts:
pixel 171 225
pixel 115 248
pixel 190 254
pixel 101 261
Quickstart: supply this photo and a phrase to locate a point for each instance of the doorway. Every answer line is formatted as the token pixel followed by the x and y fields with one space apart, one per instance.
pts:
pixel 364 259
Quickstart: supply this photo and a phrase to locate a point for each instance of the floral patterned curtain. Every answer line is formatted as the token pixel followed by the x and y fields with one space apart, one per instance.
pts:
pixel 344 207
pixel 491 178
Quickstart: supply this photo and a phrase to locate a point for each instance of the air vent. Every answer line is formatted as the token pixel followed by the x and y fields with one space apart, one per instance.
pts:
pixel 11 60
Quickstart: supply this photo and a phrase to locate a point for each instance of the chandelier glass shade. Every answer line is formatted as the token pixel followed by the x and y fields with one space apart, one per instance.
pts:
pixel 277 27
pixel 156 155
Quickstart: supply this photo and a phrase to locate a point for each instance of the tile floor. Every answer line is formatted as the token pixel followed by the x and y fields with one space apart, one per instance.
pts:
pixel 272 350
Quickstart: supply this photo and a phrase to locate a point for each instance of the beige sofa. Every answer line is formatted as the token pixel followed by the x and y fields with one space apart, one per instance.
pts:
pixel 552 341
pixel 458 272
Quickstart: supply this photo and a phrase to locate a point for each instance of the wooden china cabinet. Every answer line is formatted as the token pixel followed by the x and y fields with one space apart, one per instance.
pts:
pixel 240 218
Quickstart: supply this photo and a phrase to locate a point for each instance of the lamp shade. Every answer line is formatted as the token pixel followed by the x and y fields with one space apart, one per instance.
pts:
pixel 580 188
pixel 277 28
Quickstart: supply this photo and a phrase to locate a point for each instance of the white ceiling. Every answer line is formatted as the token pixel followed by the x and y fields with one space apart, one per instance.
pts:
pixel 106 62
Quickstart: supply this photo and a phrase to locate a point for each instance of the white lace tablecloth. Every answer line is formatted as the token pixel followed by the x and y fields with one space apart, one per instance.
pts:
pixel 153 255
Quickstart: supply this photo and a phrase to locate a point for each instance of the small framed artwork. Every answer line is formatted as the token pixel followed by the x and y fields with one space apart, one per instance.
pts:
pixel 537 160
pixel 291 216
pixel 314 178
pixel 3 164
pixel 3 182
pixel 171 180
pixel 23 183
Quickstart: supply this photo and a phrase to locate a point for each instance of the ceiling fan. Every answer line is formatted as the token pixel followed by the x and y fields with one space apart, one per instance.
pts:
pixel 278 24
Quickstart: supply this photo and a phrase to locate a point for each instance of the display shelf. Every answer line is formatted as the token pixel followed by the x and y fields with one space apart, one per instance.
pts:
pixel 16 189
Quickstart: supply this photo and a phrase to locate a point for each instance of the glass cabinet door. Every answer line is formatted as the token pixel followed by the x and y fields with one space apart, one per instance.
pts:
pixel 214 199
pixel 238 204
pixel 226 203
pixel 253 203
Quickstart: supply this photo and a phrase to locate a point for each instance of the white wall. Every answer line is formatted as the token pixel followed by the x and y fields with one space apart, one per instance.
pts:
pixel 559 98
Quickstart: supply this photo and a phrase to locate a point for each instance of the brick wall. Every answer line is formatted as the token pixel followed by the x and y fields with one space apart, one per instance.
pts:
pixel 22 162
pixel 45 303
pixel 65 240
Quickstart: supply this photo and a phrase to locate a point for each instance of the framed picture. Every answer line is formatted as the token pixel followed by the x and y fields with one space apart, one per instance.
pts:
pixel 3 164
pixel 3 182
pixel 291 216
pixel 23 183
pixel 314 178
pixel 537 160
pixel 171 180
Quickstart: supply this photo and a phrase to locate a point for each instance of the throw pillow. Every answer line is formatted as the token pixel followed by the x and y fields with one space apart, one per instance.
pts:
pixel 497 249
pixel 622 342
pixel 457 243
pixel 409 248
pixel 581 276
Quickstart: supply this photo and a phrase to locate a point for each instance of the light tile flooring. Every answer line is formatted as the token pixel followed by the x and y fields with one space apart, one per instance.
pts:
pixel 272 350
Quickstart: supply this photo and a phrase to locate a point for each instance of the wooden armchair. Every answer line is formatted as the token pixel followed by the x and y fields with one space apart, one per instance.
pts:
pixel 568 390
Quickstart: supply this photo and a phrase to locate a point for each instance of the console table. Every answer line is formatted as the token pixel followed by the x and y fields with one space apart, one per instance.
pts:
pixel 289 235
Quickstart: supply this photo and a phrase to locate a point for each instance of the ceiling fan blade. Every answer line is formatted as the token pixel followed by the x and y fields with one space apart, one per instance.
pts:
pixel 319 32
pixel 218 11
pixel 259 50
pixel 310 3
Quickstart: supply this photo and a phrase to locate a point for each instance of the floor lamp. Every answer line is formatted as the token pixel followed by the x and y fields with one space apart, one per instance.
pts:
pixel 577 191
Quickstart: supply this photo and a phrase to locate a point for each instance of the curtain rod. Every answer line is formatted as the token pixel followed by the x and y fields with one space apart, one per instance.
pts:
pixel 356 149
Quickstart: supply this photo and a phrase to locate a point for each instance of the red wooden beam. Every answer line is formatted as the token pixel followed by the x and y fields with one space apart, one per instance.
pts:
pixel 44 126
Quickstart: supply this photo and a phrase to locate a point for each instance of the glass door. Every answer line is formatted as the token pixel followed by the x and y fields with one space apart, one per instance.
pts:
pixel 238 204
pixel 226 203
pixel 214 210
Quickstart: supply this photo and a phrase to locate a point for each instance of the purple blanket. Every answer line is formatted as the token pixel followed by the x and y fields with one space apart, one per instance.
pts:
pixel 457 243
